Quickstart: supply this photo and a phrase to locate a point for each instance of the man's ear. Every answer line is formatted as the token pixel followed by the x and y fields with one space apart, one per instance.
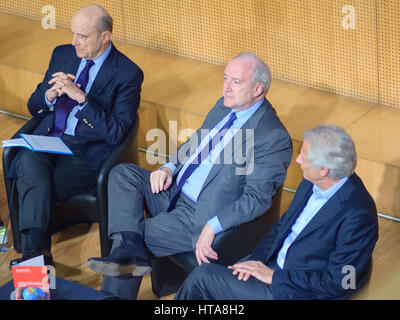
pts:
pixel 258 89
pixel 105 36
pixel 324 172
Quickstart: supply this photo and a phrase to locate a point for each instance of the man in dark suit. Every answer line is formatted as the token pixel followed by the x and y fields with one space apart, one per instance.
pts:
pixel 208 186
pixel 322 245
pixel 89 97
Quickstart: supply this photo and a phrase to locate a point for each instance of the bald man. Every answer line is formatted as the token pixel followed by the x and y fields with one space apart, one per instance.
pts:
pixel 89 97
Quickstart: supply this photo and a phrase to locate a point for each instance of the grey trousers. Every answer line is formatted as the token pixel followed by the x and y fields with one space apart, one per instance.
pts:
pixel 165 233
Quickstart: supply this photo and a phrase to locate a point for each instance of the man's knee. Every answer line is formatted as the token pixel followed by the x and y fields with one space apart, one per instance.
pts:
pixel 118 171
pixel 199 283
pixel 206 273
pixel 125 171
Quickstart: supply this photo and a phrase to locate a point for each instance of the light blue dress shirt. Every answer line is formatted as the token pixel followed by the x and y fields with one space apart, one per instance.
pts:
pixel 195 182
pixel 314 204
pixel 72 121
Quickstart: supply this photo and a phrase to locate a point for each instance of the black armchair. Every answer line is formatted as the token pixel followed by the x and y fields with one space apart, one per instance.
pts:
pixel 168 273
pixel 81 208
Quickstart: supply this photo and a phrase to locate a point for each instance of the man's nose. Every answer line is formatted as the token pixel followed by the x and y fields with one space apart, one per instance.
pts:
pixel 227 86
pixel 74 41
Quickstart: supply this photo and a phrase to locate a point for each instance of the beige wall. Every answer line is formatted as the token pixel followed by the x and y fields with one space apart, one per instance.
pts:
pixel 304 41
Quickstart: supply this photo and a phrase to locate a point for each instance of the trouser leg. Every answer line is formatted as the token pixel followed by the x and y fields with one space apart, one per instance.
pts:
pixel 129 194
pixel 43 179
pixel 35 191
pixel 171 232
pixel 216 282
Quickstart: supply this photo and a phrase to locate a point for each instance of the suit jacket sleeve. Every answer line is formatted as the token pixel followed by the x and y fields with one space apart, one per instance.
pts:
pixel 37 104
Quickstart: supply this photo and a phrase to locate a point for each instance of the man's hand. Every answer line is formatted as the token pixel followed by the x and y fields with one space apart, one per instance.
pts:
pixel 160 180
pixel 56 90
pixel 64 84
pixel 203 245
pixel 257 269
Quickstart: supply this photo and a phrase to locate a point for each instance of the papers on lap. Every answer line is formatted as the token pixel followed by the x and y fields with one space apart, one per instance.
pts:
pixel 39 144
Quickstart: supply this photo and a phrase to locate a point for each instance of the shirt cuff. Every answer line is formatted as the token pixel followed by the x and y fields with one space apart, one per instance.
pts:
pixel 169 165
pixel 49 104
pixel 215 225
pixel 80 107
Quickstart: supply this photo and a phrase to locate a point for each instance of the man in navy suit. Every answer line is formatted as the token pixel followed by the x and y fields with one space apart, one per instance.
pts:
pixel 102 89
pixel 322 245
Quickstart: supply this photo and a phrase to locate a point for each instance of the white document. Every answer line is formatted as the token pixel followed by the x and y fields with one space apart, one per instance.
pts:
pixel 34 262
pixel 39 143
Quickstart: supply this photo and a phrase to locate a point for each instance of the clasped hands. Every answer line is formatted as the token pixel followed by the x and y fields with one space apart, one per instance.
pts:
pixel 63 83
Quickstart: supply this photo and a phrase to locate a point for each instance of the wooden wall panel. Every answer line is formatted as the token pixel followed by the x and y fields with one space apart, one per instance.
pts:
pixel 304 42
pixel 389 52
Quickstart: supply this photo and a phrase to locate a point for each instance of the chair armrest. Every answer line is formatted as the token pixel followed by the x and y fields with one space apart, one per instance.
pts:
pixel 114 159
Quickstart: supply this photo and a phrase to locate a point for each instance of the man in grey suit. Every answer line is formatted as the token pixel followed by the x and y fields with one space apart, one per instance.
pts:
pixel 224 175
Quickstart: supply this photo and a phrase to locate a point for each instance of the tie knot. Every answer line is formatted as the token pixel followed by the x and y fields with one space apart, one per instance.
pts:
pixel 231 119
pixel 89 63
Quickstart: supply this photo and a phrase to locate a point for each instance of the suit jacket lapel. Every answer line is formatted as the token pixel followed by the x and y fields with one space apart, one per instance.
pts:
pixel 72 65
pixel 329 210
pixel 300 200
pixel 105 74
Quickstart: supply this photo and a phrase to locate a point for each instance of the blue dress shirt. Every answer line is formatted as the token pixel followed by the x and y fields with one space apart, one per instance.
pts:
pixel 195 181
pixel 314 204
pixel 72 121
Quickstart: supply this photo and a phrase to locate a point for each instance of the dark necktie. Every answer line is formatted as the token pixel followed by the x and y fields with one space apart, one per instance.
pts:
pixel 203 154
pixel 66 104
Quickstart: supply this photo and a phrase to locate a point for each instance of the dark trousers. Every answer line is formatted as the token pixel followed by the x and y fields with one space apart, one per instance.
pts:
pixel 216 282
pixel 46 178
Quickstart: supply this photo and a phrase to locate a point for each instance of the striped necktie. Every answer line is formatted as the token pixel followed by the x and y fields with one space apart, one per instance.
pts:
pixel 203 154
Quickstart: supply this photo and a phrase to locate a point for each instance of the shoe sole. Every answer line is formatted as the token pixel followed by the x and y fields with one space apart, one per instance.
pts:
pixel 114 270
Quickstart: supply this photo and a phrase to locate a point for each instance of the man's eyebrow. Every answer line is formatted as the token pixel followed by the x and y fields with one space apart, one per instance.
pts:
pixel 80 34
pixel 234 78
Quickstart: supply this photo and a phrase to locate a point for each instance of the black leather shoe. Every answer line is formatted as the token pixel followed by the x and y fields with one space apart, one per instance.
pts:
pixel 48 259
pixel 129 258
pixel 115 267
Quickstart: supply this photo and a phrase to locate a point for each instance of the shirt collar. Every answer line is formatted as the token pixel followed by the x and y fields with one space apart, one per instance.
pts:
pixel 328 193
pixel 247 113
